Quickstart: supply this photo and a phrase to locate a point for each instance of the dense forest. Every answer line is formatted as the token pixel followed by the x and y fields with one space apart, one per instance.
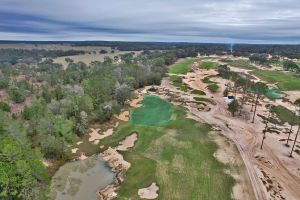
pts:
pixel 290 51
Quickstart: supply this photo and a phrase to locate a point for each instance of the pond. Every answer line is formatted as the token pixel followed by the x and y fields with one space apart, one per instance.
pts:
pixel 81 179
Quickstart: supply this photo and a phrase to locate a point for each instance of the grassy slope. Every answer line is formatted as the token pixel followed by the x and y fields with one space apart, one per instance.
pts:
pixel 182 67
pixel 178 156
pixel 285 81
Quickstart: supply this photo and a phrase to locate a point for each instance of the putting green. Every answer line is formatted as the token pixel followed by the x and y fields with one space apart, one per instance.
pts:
pixel 154 112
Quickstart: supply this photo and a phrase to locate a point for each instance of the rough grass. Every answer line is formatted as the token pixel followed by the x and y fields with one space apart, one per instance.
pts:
pixel 213 87
pixel 177 82
pixel 285 115
pixel 286 81
pixel 178 156
pixel 156 110
pixel 240 63
pixel 198 92
pixel 182 67
pixel 208 65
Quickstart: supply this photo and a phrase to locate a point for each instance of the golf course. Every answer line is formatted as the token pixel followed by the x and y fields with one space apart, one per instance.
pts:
pixel 172 151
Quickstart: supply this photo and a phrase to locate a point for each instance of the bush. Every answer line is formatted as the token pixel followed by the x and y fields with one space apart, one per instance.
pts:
pixel 4 107
pixel 213 87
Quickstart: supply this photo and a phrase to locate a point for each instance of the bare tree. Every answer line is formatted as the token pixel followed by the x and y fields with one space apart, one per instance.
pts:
pixel 291 154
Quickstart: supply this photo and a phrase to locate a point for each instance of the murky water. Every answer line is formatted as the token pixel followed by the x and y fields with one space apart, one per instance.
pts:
pixel 80 180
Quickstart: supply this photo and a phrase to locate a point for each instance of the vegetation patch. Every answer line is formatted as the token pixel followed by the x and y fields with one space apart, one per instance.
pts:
pixel 240 63
pixel 285 115
pixel 208 65
pixel 286 81
pixel 213 87
pixel 170 155
pixel 156 110
pixel 182 67
pixel 198 92
pixel 177 82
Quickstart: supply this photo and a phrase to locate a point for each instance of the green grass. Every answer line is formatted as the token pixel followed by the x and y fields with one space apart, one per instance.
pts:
pixel 156 110
pixel 213 87
pixel 207 80
pixel 286 81
pixel 202 99
pixel 241 63
pixel 198 92
pixel 178 156
pixel 177 82
pixel 182 67
pixel 285 115
pixel 209 65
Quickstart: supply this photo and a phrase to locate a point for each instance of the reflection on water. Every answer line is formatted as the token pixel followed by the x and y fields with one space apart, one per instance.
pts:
pixel 81 179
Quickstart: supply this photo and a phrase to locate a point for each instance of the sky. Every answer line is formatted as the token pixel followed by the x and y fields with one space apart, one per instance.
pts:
pixel 217 21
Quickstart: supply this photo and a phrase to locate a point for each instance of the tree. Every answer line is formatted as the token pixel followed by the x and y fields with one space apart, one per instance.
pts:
pixel 297 104
pixel 122 93
pixel 259 89
pixel 233 107
pixel 291 154
pixel 82 123
pixel 4 106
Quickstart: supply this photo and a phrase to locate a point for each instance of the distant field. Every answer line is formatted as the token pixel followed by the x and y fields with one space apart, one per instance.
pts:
pixel 178 156
pixel 182 67
pixel 286 81
pixel 88 58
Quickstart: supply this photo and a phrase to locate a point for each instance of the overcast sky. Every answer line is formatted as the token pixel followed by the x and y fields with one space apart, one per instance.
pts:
pixel 249 21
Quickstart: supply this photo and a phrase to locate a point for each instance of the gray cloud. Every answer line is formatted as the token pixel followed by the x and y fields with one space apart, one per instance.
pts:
pixel 253 21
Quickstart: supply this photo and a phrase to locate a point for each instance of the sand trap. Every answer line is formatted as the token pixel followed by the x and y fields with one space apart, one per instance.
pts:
pixel 115 159
pixel 136 102
pixel 149 192
pixel 47 163
pixel 80 142
pixel 94 135
pixel 124 116
pixel 83 156
pixel 127 143
pixel 74 150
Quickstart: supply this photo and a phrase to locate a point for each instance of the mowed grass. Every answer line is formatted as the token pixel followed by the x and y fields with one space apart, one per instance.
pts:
pixel 154 112
pixel 208 65
pixel 286 81
pixel 178 156
pixel 182 67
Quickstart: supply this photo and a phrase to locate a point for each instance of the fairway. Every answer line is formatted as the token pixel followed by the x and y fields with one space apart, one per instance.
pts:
pixel 182 67
pixel 208 65
pixel 178 156
pixel 154 112
pixel 286 81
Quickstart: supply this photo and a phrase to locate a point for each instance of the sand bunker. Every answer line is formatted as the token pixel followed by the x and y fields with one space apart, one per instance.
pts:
pixel 149 192
pixel 136 102
pixel 74 150
pixel 83 156
pixel 114 159
pixel 124 116
pixel 80 142
pixel 94 135
pixel 126 144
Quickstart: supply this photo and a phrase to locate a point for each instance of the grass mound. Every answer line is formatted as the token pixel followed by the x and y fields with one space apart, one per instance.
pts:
pixel 198 92
pixel 177 82
pixel 182 67
pixel 154 112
